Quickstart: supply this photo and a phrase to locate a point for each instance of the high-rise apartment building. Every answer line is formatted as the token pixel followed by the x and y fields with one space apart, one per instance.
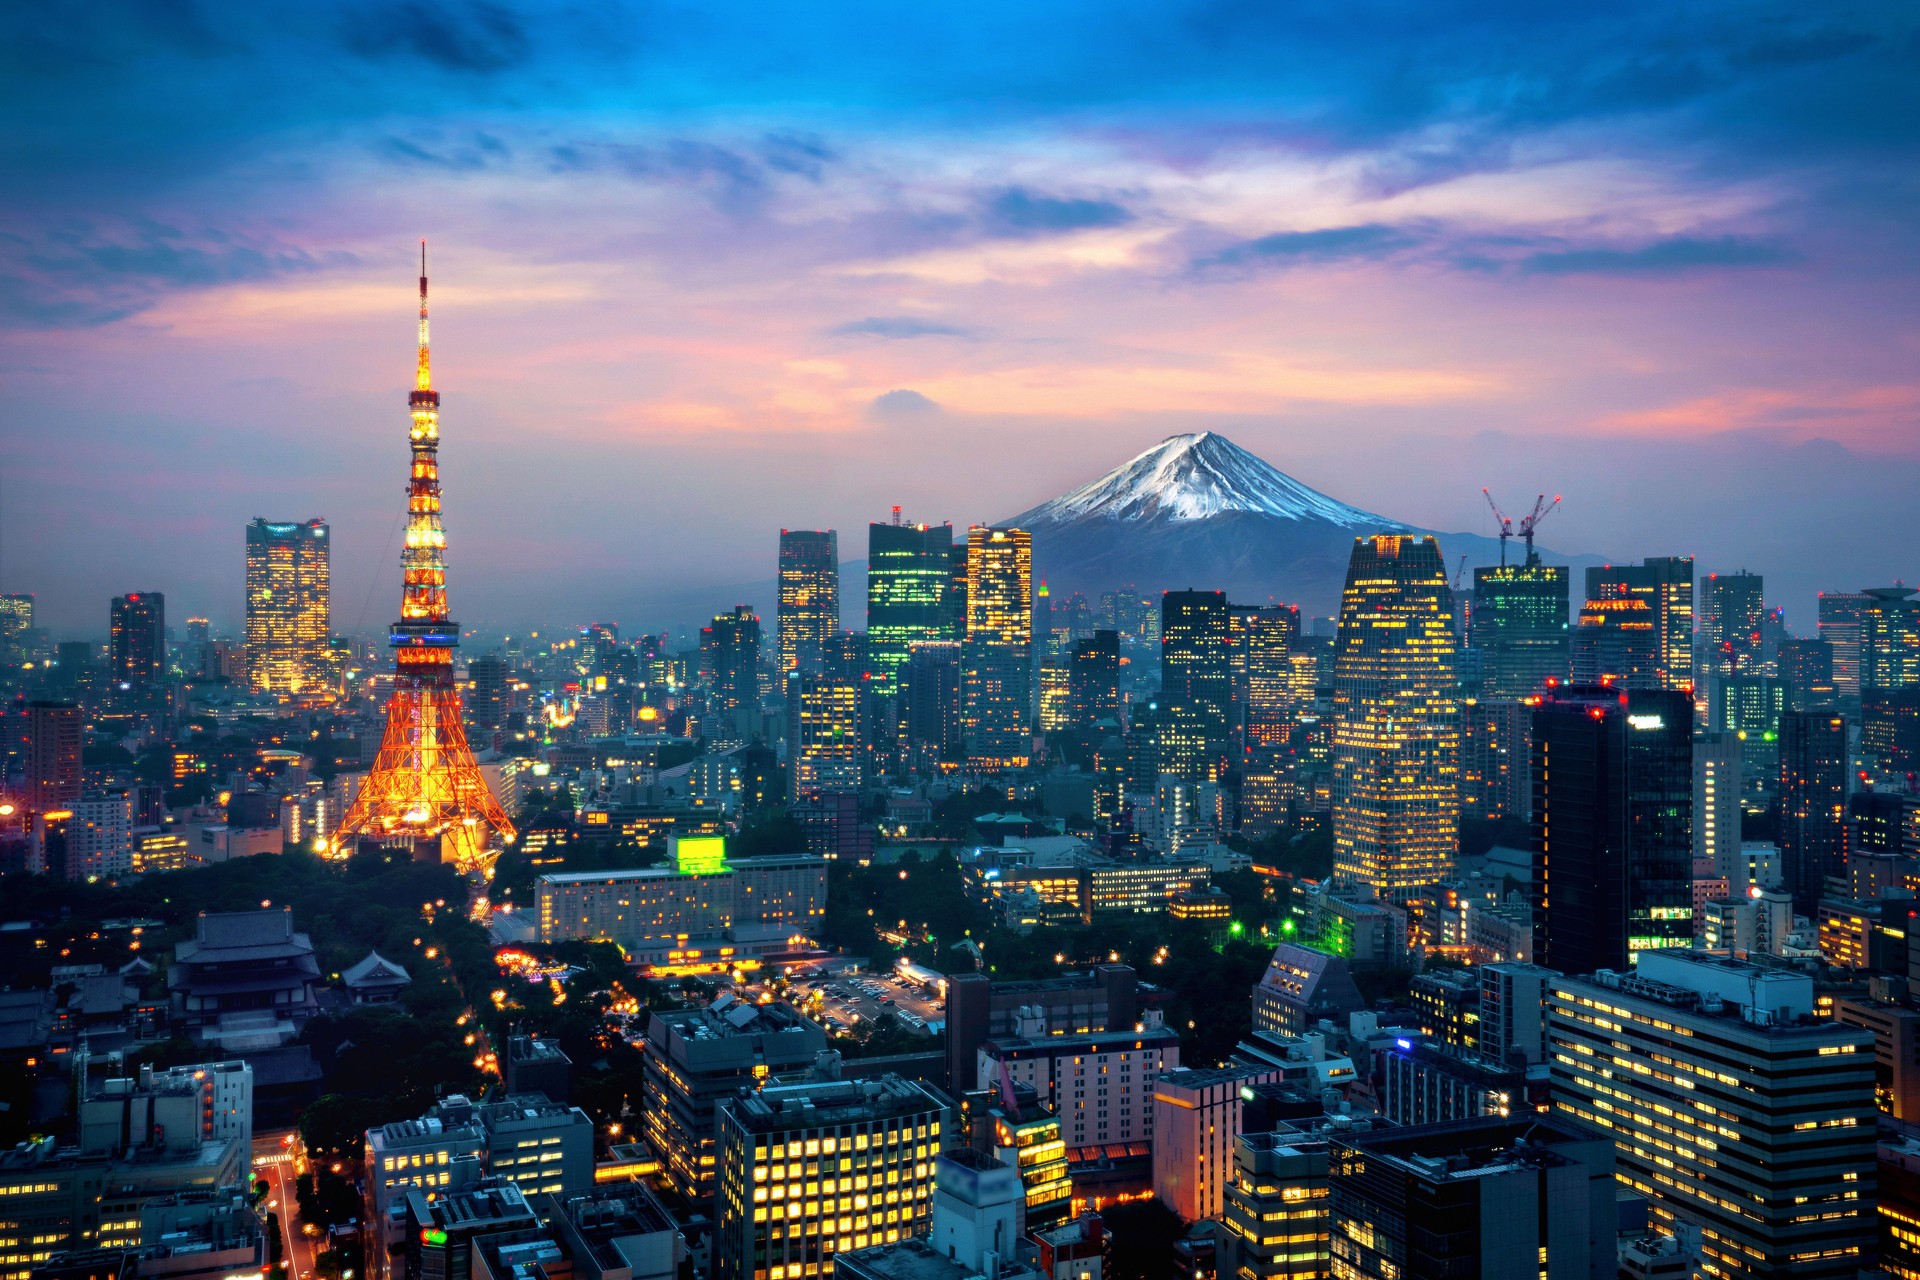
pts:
pixel 1813 802
pixel 1494 758
pixel 1732 609
pixel 1733 1109
pixel 54 733
pixel 997 654
pixel 1716 800
pixel 490 693
pixel 908 570
pixel 1093 680
pixel 1396 734
pixel 137 646
pixel 1612 826
pixel 730 653
pixel 812 1168
pixel 1665 584
pixel 1520 626
pixel 824 751
pixel 16 620
pixel 289 605
pixel 1196 681
pixel 1889 638
pixel 808 614
pixel 1839 624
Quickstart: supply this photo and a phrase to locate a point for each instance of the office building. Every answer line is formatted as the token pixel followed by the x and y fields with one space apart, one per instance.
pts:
pixel 1732 607
pixel 1895 1025
pixel 1266 694
pixel 931 711
pixel 1716 800
pixel 1301 986
pixel 1890 728
pixel 1665 585
pixel 1093 680
pixel 541 1146
pixel 1749 707
pixel 538 1066
pixel 807 1170
pixel 100 837
pixel 974 1227
pixel 1617 642
pixel 437 1155
pixel 1278 1217
pixel 730 654
pixel 53 732
pixel 490 691
pixel 621 1232
pixel 1099 1083
pixel 209 1101
pixel 137 645
pixel 1612 826
pixel 1196 1116
pixel 1513 1028
pixel 997 654
pixel 16 621
pixel 1105 998
pixel 694 1059
pixel 1805 667
pixel 824 747
pixel 1446 1006
pixel 289 606
pixel 808 615
pixel 442 1234
pixel 1009 1125
pixel 1733 1109
pixel 1494 750
pixel 1396 736
pixel 1427 1083
pixel 908 570
pixel 1839 626
pixel 1500 1199
pixel 1520 627
pixel 1889 638
pixel 1196 683
pixel 1813 802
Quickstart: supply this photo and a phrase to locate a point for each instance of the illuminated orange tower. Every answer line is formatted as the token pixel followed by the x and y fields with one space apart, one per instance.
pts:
pixel 425 785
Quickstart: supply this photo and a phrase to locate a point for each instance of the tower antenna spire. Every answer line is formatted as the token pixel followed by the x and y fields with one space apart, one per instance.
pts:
pixel 423 379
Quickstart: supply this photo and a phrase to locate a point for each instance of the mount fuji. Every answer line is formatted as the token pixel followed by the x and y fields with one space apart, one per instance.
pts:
pixel 1199 511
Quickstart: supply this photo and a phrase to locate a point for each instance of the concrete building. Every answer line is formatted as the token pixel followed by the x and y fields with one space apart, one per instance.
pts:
pixel 1100 1083
pixel 211 1100
pixel 442 1233
pixel 541 1146
pixel 619 1233
pixel 1513 1024
pixel 807 1170
pixel 1301 986
pixel 1196 1116
pixel 1108 997
pixel 1896 1048
pixel 1735 1111
pixel 974 1232
pixel 436 1155
pixel 538 1066
pixel 1277 1214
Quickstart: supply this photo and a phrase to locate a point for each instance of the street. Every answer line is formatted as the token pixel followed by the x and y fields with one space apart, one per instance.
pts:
pixel 273 1161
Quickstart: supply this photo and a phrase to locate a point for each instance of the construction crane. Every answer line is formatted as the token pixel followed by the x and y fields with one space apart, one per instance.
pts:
pixel 1541 510
pixel 1459 570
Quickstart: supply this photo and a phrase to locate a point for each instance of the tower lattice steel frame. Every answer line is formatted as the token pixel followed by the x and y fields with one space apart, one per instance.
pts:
pixel 425 783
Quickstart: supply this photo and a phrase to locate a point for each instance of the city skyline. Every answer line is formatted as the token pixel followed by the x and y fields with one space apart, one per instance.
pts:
pixel 1657 264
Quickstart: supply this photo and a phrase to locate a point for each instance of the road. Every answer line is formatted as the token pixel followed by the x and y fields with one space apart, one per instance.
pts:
pixel 273 1161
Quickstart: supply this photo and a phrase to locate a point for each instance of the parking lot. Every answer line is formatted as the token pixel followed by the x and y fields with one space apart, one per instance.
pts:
pixel 851 999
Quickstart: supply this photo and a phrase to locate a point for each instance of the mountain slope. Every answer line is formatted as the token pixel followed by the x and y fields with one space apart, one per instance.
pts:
pixel 1199 511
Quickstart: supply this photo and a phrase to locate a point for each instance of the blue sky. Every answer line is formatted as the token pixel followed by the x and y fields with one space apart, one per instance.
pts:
pixel 703 271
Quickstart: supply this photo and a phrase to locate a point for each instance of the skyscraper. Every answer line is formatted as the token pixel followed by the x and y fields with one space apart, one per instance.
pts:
pixel 53 737
pixel 808 616
pixel 289 609
pixel 491 682
pixel 1396 734
pixel 425 788
pixel 1733 608
pixel 1889 638
pixel 1840 627
pixel 1196 682
pixel 1093 679
pixel 1265 691
pixel 1520 626
pixel 1612 826
pixel 730 652
pixel 16 619
pixel 137 647
pixel 1617 642
pixel 1494 758
pixel 1716 800
pixel 997 660
pixel 1665 583
pixel 931 702
pixel 908 568
pixel 1813 802
pixel 824 750
pixel 1805 667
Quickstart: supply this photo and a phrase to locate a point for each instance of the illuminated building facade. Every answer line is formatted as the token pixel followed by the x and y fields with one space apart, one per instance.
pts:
pixel 1805 667
pixel 997 654
pixel 1612 826
pixel 809 606
pixel 1196 683
pixel 1266 691
pixel 1196 1114
pixel 809 1170
pixel 54 733
pixel 1054 694
pixel 289 606
pixel 1520 626
pixel 1093 677
pixel 1665 585
pixel 1099 1084
pixel 1732 607
pixel 1617 642
pixel 1839 625
pixel 16 620
pixel 1716 800
pixel 1494 758
pixel 1889 638
pixel 1813 802
pixel 1277 1214
pixel 730 656
pixel 1732 1108
pixel 1396 735
pixel 824 751
pixel 424 786
pixel 137 645
pixel 908 569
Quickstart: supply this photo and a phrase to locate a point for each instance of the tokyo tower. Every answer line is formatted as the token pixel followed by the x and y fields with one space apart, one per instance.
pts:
pixel 425 788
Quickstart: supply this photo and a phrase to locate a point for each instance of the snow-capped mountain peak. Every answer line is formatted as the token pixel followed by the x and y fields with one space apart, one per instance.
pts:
pixel 1193 477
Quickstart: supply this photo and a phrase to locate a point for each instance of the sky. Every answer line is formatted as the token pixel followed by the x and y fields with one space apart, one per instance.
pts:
pixel 704 271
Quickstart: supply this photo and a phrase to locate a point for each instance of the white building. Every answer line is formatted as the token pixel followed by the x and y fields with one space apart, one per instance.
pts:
pixel 1100 1084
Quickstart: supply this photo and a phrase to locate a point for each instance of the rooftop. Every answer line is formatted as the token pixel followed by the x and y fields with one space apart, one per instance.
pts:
pixel 831 1102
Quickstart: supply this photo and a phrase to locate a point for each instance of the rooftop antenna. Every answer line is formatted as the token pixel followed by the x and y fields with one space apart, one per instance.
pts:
pixel 896 515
